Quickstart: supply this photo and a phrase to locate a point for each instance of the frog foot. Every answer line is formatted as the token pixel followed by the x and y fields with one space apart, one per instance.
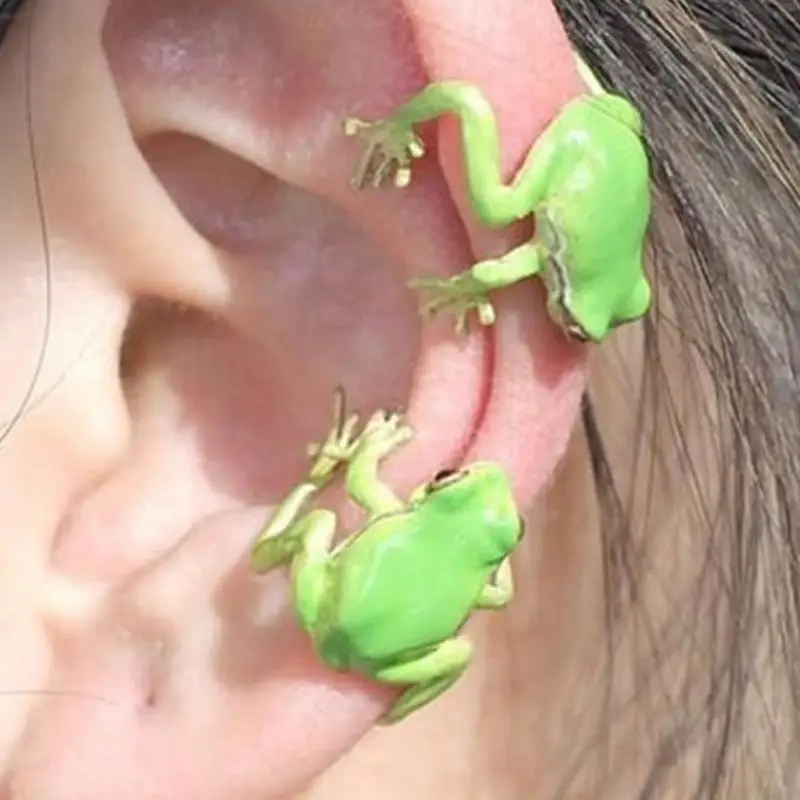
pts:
pixel 458 295
pixel 384 432
pixel 338 447
pixel 390 149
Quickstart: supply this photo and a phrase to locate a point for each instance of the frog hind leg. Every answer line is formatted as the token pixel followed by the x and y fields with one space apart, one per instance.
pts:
pixel 310 567
pixel 499 592
pixel 307 545
pixel 429 676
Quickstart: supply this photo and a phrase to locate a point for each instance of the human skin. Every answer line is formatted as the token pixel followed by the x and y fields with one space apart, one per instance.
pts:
pixel 198 210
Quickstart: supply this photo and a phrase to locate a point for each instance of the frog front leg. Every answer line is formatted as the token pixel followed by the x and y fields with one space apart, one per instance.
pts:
pixel 283 535
pixel 277 541
pixel 470 290
pixel 392 145
pixel 384 433
pixel 427 677
pixel 307 544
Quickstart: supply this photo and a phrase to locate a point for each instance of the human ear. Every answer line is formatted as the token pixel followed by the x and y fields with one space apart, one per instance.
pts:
pixel 193 164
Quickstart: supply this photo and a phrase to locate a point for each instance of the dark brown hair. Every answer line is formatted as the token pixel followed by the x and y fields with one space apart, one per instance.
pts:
pixel 718 82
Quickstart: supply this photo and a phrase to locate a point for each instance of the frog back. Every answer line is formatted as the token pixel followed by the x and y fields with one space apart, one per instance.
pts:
pixel 600 178
pixel 403 588
pixel 597 215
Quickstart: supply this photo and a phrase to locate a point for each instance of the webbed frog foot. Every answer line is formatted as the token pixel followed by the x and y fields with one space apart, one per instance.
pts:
pixel 384 432
pixel 457 295
pixel 338 447
pixel 390 150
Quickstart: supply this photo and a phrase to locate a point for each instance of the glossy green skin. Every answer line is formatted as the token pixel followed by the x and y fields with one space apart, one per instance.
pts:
pixel 592 224
pixel 389 601
pixel 409 579
pixel 586 182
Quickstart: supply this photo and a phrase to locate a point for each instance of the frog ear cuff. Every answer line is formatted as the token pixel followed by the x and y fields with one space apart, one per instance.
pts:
pixel 588 245
pixel 380 603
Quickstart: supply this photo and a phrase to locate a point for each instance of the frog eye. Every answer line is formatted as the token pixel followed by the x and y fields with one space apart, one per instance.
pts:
pixel 443 478
pixel 443 475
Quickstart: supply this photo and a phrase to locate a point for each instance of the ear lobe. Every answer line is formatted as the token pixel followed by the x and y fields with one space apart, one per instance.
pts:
pixel 195 656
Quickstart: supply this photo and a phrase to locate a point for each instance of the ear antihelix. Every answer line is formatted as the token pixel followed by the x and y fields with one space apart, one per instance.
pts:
pixel 385 633
pixel 597 262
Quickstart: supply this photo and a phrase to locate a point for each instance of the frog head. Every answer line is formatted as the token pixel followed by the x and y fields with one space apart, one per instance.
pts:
pixel 481 494
pixel 587 299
